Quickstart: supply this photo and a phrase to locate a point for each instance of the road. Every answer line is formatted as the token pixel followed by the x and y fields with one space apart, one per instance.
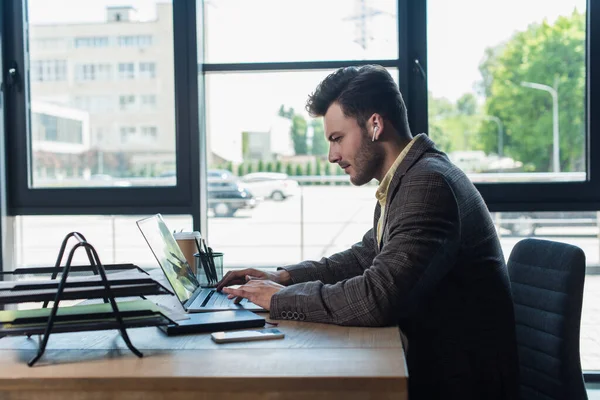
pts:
pixel 322 221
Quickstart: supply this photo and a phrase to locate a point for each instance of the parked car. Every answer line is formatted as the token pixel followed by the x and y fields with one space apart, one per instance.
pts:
pixel 525 223
pixel 272 185
pixel 227 194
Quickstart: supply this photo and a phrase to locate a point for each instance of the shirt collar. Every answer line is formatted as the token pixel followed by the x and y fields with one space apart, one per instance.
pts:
pixel 382 190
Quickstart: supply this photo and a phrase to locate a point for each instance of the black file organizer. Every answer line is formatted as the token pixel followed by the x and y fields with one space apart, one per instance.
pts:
pixel 44 291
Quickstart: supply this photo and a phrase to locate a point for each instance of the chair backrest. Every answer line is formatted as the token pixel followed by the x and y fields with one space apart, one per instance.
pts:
pixel 547 285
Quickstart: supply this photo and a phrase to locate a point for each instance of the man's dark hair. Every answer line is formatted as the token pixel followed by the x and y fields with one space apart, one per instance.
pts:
pixel 361 91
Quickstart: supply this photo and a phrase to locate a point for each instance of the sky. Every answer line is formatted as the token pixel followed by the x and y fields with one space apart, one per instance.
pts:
pixel 458 30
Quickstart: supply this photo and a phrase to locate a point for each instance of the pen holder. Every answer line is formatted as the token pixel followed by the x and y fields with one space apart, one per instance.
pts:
pixel 209 270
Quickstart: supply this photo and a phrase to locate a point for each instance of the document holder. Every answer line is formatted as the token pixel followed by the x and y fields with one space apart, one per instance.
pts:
pixel 77 318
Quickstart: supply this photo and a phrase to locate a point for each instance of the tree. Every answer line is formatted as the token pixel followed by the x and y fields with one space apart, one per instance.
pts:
pixel 319 143
pixel 552 55
pixel 279 166
pixel 261 166
pixel 289 169
pixel 466 104
pixel 308 168
pixel 298 131
pixel 286 112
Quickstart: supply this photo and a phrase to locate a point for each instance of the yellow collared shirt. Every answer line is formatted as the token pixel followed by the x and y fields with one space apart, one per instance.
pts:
pixel 384 185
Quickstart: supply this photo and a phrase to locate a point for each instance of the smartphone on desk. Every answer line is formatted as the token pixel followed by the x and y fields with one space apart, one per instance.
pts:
pixel 245 336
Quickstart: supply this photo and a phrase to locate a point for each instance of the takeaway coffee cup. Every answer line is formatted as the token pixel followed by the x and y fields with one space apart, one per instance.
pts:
pixel 187 244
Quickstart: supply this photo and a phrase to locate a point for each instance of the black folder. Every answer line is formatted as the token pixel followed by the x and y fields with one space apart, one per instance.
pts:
pixel 214 321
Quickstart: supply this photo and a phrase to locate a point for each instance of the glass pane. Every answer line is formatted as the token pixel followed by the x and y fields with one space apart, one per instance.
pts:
pixel 240 31
pixel 269 182
pixel 507 89
pixel 102 93
pixel 116 238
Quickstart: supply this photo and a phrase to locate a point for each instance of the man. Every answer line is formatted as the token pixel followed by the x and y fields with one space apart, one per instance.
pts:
pixel 431 264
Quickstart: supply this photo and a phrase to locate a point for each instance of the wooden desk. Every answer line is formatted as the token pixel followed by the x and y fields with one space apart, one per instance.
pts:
pixel 314 361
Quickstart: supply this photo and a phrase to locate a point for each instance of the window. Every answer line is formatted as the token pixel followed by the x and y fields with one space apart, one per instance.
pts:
pixel 103 95
pixel 514 109
pixel 149 132
pixel 148 101
pixel 127 133
pixel 147 70
pixel 47 43
pixel 135 41
pixel 126 71
pixel 94 41
pixel 92 72
pixel 352 30
pixel 48 70
pixel 127 102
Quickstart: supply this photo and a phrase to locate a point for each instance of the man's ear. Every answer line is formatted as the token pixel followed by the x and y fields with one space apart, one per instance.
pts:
pixel 377 126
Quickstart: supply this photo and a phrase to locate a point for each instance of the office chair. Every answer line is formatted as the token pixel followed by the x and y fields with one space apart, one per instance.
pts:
pixel 547 286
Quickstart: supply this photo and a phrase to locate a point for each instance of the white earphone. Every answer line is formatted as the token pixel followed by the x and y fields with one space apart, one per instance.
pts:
pixel 374 132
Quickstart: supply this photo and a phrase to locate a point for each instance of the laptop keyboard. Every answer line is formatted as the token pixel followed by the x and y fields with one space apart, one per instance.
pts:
pixel 215 299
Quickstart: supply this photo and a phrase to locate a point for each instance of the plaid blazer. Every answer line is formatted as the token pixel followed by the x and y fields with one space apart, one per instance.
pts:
pixel 439 274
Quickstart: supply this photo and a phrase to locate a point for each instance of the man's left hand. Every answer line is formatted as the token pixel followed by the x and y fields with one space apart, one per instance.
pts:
pixel 258 291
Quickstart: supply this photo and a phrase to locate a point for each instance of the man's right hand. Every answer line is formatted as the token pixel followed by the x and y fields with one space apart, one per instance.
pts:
pixel 244 275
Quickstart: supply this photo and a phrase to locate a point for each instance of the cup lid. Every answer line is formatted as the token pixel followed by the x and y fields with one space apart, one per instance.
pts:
pixel 187 235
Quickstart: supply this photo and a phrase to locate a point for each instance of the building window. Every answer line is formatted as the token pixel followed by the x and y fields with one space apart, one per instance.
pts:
pixel 135 41
pixel 126 102
pixel 149 132
pixel 48 70
pixel 50 128
pixel 126 71
pixel 47 43
pixel 147 70
pixel 148 101
pixel 92 72
pixel 127 132
pixel 91 41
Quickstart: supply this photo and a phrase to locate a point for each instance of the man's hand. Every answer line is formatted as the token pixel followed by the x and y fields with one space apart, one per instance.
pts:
pixel 242 276
pixel 258 291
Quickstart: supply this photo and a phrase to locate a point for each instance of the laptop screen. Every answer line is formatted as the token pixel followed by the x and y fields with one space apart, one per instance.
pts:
pixel 169 256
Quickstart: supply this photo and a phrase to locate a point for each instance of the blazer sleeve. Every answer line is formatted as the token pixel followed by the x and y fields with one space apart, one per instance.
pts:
pixel 422 246
pixel 338 267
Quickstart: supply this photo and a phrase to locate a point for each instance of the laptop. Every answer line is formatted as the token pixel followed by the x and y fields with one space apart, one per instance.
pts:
pixel 186 287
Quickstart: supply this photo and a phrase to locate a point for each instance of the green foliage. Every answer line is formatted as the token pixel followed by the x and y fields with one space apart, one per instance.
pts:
pixel 279 166
pixel 250 168
pixel 261 166
pixel 466 104
pixel 289 169
pixel 270 166
pixel 245 145
pixel 552 55
pixel 298 132
pixel 286 112
pixel 309 168
pixel 319 143
pixel 299 171
pixel 318 169
pixel 229 166
pixel 240 170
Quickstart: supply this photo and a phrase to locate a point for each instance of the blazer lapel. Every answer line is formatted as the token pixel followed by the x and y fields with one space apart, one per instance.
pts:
pixel 422 144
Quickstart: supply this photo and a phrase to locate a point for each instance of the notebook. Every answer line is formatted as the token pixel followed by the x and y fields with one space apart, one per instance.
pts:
pixel 193 298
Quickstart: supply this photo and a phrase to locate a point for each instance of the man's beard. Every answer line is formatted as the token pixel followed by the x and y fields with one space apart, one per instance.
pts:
pixel 368 160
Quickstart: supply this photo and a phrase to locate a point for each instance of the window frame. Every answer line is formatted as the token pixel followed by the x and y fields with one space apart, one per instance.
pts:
pixel 183 198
